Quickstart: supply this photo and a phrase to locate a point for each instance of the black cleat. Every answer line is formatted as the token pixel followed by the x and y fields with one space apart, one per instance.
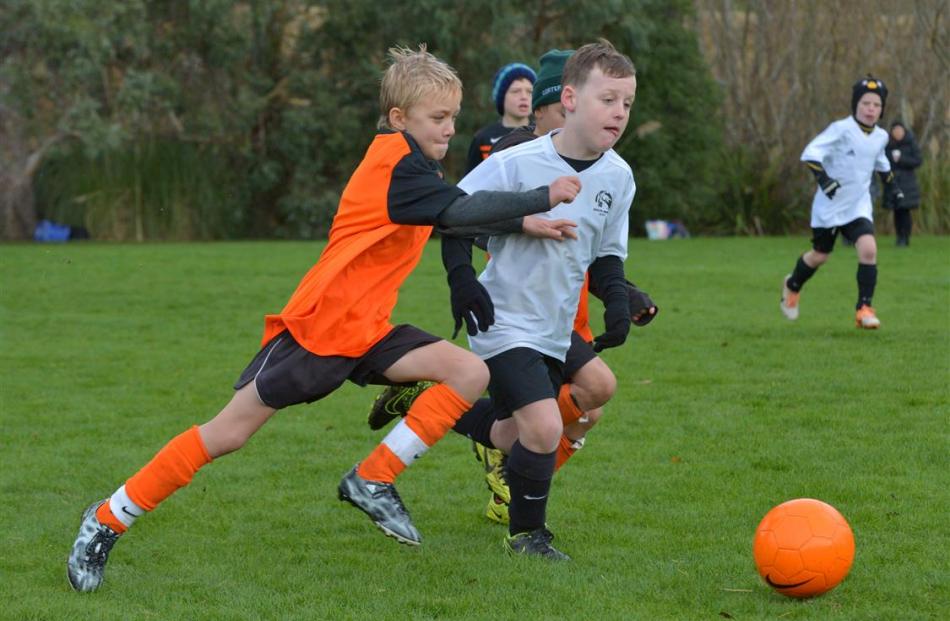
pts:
pixel 394 401
pixel 536 542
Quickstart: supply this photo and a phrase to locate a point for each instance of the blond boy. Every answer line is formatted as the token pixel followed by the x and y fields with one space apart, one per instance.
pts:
pixel 336 326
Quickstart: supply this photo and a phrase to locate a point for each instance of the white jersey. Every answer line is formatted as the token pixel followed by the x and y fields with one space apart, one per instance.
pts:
pixel 850 157
pixel 535 283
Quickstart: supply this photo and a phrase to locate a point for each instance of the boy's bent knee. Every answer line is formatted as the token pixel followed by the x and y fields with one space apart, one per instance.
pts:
pixel 602 389
pixel 594 385
pixel 866 246
pixel 221 440
pixel 541 439
pixel 468 375
pixel 539 426
pixel 236 423
pixel 814 258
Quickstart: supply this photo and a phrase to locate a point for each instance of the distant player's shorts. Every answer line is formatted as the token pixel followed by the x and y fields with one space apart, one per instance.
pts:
pixel 521 376
pixel 823 240
pixel 285 373
pixel 580 353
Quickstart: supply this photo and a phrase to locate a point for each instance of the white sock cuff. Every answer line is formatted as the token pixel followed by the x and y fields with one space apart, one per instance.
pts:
pixel 123 508
pixel 404 442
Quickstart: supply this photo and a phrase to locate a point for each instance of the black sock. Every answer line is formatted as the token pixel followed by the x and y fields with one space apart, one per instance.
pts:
pixel 476 423
pixel 867 279
pixel 800 275
pixel 529 479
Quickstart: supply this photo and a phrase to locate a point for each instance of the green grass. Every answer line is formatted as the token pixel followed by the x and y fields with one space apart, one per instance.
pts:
pixel 724 409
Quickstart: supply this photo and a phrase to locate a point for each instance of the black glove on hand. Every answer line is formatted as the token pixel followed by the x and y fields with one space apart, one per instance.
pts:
pixel 470 301
pixel 828 185
pixel 640 304
pixel 616 327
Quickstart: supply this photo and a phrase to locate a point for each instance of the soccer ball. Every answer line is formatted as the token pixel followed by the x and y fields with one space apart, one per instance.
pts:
pixel 803 547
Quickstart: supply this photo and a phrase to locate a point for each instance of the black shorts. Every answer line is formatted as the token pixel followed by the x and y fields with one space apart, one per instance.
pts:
pixel 285 373
pixel 521 376
pixel 580 353
pixel 823 240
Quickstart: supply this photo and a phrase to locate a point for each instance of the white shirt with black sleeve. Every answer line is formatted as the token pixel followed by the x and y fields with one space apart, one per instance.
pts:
pixel 849 156
pixel 535 284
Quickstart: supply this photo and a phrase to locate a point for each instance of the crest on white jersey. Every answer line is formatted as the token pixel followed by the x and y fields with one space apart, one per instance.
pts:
pixel 603 200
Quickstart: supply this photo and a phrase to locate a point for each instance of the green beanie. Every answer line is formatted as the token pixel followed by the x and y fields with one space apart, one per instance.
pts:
pixel 547 88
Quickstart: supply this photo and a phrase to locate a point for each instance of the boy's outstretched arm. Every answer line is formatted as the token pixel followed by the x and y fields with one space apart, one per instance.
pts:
pixel 533 226
pixel 484 208
pixel 417 195
pixel 505 210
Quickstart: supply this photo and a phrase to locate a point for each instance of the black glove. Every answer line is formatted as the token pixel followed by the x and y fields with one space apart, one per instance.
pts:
pixel 616 327
pixel 828 185
pixel 470 301
pixel 640 304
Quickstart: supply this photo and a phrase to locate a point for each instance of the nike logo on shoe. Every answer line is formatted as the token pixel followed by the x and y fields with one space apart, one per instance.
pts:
pixel 526 497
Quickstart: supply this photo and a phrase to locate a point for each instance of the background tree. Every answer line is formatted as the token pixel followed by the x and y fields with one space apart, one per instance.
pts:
pixel 786 69
pixel 227 118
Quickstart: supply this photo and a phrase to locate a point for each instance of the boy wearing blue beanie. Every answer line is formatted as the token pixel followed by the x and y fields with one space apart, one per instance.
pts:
pixel 511 92
pixel 545 102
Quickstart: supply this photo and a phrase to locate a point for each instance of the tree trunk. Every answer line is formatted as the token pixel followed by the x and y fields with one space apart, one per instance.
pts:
pixel 18 166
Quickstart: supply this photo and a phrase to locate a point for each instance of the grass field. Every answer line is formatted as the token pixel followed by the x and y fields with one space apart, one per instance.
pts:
pixel 724 409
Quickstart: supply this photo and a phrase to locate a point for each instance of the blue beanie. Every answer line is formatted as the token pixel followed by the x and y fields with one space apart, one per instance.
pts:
pixel 503 79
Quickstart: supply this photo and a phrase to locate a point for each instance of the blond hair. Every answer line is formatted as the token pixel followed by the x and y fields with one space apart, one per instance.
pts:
pixel 602 54
pixel 411 76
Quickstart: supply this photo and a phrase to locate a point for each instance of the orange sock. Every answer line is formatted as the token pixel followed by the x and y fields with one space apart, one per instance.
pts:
pixel 570 411
pixel 381 465
pixel 171 468
pixel 565 448
pixel 105 516
pixel 429 419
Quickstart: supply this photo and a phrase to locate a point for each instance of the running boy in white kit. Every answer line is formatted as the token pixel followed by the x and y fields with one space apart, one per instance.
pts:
pixel 536 287
pixel 842 158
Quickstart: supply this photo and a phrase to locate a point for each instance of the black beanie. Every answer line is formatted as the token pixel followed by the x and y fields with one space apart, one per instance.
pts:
pixel 869 84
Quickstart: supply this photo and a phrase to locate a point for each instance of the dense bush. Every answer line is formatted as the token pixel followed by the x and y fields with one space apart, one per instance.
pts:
pixel 226 119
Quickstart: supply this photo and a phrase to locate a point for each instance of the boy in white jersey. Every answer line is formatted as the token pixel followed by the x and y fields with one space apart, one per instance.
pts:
pixel 842 158
pixel 535 288
pixel 589 382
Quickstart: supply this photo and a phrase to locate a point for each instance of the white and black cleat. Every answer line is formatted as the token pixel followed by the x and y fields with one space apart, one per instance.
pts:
pixel 381 502
pixel 86 564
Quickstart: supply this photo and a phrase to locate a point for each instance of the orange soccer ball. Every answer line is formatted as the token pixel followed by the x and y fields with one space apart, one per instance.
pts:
pixel 803 547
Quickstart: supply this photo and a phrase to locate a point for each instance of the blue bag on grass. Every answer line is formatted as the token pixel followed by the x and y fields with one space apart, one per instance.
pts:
pixel 48 231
